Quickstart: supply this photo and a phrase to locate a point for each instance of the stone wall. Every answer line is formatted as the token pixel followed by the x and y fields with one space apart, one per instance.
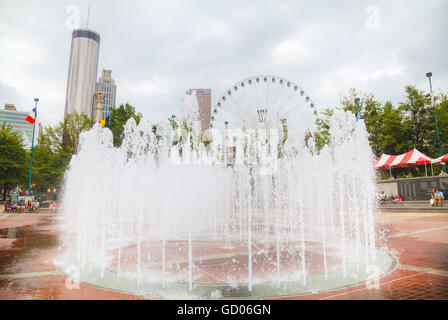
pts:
pixel 414 188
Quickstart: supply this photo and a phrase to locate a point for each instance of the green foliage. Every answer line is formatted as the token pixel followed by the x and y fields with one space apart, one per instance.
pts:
pixel 55 148
pixel 442 120
pixel 322 137
pixel 118 118
pixel 418 121
pixel 396 130
pixel 13 159
pixel 371 112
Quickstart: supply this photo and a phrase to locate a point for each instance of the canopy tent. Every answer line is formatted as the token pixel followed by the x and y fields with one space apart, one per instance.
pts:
pixel 383 161
pixel 440 159
pixel 411 158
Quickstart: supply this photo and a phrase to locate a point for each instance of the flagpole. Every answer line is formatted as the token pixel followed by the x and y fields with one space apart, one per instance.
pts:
pixel 358 114
pixel 32 148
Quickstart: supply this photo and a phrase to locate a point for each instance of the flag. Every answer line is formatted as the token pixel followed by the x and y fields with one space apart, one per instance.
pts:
pixel 308 134
pixel 358 115
pixel 32 116
pixel 102 122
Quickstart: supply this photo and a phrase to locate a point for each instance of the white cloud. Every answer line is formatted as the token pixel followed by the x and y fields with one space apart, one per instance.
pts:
pixel 157 50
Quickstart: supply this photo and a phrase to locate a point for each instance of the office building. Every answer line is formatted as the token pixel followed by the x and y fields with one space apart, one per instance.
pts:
pixel 99 106
pixel 204 97
pixel 107 85
pixel 82 72
pixel 16 120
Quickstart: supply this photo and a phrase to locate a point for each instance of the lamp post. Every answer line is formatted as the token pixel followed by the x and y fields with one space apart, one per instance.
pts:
pixel 429 75
pixel 36 100
pixel 358 114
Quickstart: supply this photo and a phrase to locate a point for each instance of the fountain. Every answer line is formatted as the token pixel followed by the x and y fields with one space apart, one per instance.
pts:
pixel 257 212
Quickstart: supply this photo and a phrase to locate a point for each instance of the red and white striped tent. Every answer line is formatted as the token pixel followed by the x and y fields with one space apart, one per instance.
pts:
pixel 411 158
pixel 440 159
pixel 383 161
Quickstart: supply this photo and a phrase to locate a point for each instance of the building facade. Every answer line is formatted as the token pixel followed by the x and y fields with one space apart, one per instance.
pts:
pixel 82 72
pixel 204 97
pixel 99 107
pixel 16 120
pixel 107 85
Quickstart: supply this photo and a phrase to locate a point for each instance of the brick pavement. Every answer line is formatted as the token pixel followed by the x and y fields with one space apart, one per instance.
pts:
pixel 29 242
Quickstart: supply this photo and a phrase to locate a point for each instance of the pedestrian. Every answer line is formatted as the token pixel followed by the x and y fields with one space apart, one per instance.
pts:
pixel 54 206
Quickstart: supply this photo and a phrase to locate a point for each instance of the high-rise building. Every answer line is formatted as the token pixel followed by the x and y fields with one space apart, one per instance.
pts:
pixel 16 120
pixel 82 71
pixel 99 106
pixel 107 85
pixel 204 97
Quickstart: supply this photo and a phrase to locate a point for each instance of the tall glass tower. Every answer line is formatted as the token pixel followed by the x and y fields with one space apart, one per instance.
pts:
pixel 107 85
pixel 82 71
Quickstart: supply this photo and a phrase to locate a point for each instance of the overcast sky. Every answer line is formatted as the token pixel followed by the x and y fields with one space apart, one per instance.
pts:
pixel 158 49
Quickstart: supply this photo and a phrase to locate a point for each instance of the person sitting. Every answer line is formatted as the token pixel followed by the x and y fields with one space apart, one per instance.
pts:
pixel 438 197
pixel 442 173
pixel 431 201
pixel 21 205
pixel 30 206
pixel 55 207
pixel 382 198
pixel 7 205
pixel 398 198
pixel 36 206
pixel 14 206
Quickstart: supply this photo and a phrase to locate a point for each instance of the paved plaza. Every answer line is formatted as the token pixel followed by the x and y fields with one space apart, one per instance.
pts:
pixel 29 244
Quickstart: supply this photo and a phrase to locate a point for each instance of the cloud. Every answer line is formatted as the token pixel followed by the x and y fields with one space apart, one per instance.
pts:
pixel 158 50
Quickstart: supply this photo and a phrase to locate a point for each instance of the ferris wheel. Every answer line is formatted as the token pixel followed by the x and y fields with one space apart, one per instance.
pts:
pixel 264 101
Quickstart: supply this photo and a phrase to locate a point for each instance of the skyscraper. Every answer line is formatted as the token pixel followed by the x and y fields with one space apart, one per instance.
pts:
pixel 98 106
pixel 107 85
pixel 204 97
pixel 82 71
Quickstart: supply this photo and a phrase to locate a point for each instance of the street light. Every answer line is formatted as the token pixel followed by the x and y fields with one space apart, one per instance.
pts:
pixel 36 100
pixel 358 114
pixel 429 75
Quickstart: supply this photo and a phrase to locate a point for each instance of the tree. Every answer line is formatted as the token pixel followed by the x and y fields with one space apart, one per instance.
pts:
pixel 13 159
pixel 55 149
pixel 391 137
pixel 370 110
pixel 322 137
pixel 418 121
pixel 118 118
pixel 442 120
